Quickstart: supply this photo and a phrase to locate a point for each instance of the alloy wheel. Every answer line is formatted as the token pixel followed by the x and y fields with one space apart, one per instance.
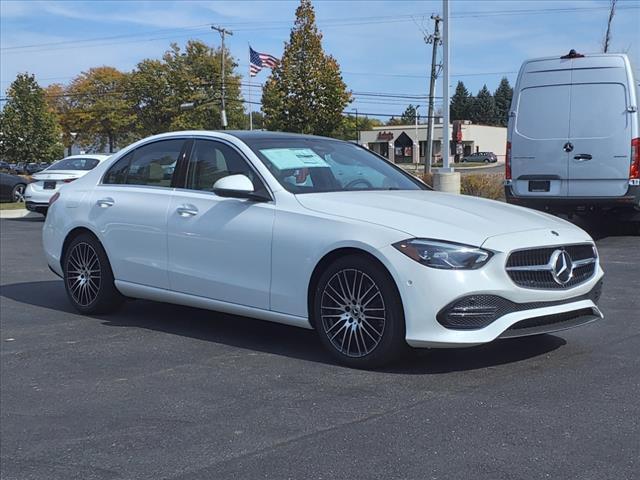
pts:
pixel 353 312
pixel 83 274
pixel 18 193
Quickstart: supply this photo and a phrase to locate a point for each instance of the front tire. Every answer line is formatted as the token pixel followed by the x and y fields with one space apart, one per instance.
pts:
pixel 358 313
pixel 88 278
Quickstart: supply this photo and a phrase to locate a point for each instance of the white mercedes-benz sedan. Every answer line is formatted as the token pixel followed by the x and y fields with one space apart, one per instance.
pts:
pixel 316 233
pixel 48 181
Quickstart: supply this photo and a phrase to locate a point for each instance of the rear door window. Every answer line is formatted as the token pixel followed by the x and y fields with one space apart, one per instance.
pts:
pixel 543 112
pixel 155 163
pixel 598 110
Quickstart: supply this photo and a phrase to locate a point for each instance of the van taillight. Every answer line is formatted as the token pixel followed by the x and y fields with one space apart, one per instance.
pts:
pixel 54 197
pixel 507 162
pixel 69 180
pixel 634 171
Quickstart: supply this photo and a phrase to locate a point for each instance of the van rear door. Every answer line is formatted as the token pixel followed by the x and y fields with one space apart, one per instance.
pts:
pixel 539 163
pixel 599 127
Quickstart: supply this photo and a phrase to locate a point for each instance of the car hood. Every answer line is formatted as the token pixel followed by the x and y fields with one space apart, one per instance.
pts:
pixel 428 214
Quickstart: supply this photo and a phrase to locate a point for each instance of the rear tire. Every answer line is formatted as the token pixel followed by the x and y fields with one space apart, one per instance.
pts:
pixel 88 278
pixel 358 314
pixel 17 194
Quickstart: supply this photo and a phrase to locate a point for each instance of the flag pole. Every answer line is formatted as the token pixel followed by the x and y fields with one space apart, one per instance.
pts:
pixel 250 104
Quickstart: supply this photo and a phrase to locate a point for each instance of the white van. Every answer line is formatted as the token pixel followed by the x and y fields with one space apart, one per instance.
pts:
pixel 573 142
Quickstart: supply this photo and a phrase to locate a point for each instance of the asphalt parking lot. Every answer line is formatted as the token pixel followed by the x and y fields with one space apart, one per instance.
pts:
pixel 167 392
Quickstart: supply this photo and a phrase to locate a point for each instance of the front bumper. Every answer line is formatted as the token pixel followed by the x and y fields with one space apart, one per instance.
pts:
pixel 425 292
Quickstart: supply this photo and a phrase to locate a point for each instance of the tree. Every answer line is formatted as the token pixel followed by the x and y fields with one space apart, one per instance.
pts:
pixel 502 97
pixel 59 104
pixel 151 97
pixel 102 114
pixel 28 129
pixel 393 121
pixel 195 76
pixel 157 88
pixel 305 92
pixel 483 108
pixel 348 129
pixel 460 103
pixel 408 117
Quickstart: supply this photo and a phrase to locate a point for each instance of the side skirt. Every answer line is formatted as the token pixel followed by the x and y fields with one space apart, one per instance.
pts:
pixel 136 290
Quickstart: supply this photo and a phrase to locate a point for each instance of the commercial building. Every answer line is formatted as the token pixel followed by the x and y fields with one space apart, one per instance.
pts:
pixel 398 143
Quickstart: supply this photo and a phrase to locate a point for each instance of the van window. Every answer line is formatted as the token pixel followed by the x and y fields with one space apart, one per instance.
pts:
pixel 598 110
pixel 543 112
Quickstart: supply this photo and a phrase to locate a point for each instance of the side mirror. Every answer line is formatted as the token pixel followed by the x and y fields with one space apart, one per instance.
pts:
pixel 236 186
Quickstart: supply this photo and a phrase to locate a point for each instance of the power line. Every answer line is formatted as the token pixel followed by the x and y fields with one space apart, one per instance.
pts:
pixel 286 24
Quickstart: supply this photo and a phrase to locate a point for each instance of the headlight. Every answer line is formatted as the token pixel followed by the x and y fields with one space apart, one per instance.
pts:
pixel 444 255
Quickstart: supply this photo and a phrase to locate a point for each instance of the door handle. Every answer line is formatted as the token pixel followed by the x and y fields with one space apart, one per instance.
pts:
pixel 582 157
pixel 187 210
pixel 105 202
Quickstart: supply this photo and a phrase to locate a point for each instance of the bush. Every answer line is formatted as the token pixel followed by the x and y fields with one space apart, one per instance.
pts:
pixel 485 185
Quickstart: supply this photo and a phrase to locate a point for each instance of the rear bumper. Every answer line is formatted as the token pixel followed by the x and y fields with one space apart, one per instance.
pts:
pixel 36 207
pixel 629 201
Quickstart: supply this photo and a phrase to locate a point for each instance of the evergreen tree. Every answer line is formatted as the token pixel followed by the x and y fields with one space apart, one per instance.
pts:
pixel 305 92
pixel 483 110
pixel 502 97
pixel 409 115
pixel 460 103
pixel 28 129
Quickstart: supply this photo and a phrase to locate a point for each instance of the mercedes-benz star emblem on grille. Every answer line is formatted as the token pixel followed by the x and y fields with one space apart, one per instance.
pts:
pixel 562 267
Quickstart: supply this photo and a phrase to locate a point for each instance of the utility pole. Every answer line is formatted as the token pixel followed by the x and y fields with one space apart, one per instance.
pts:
pixel 357 128
pixel 223 112
pixel 607 36
pixel 435 40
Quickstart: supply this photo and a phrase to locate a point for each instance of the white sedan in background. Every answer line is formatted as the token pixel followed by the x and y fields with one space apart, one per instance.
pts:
pixel 48 181
pixel 261 224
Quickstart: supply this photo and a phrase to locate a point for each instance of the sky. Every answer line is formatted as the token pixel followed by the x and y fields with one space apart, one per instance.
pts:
pixel 379 45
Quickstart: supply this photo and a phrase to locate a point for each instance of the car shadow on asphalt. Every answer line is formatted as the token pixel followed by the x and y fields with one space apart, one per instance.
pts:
pixel 267 337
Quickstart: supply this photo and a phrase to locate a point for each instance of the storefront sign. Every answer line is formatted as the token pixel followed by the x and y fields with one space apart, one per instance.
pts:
pixel 386 136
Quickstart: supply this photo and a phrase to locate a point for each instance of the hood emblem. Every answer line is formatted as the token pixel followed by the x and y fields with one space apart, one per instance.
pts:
pixel 561 267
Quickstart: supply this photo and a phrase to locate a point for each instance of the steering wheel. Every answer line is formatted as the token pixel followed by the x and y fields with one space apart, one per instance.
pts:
pixel 358 183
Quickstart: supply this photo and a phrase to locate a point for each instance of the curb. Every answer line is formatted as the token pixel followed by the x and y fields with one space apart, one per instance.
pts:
pixel 21 213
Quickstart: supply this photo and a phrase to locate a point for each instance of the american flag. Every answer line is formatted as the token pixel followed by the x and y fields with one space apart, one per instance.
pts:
pixel 257 61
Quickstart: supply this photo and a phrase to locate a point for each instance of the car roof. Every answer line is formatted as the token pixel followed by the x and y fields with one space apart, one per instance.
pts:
pixel 243 135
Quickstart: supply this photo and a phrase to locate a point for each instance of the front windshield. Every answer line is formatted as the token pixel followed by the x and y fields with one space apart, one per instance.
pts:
pixel 75 164
pixel 310 165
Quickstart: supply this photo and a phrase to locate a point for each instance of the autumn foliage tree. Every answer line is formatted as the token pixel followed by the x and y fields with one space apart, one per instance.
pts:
pixel 103 116
pixel 305 92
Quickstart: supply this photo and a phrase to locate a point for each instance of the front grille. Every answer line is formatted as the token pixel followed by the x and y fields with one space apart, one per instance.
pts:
pixel 533 268
pixel 478 311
